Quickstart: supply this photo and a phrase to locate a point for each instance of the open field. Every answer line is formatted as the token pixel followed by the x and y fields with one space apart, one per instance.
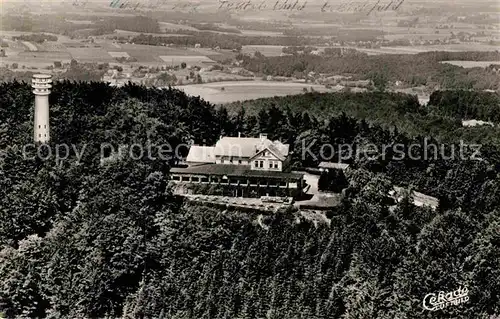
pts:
pixel 267 50
pixel 36 59
pixel 261 33
pixel 106 51
pixel 429 48
pixel 119 32
pixel 84 22
pixel 30 46
pixel 189 59
pixel 472 64
pixel 417 36
pixel 148 53
pixel 51 46
pixel 90 55
pixel 164 26
pixel 116 54
pixel 245 90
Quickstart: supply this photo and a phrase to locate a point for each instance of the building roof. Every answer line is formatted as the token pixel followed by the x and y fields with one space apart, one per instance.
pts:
pixel 201 154
pixel 419 199
pixel 248 147
pixel 271 148
pixel 42 76
pixel 333 165
pixel 233 170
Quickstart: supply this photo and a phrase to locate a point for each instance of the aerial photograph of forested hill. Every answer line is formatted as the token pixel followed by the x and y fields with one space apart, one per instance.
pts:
pixel 241 159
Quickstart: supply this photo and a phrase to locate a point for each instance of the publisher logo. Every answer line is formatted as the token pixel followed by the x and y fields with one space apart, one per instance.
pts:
pixel 442 300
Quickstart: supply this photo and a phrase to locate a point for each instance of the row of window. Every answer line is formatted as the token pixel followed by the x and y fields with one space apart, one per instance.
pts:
pixel 230 161
pixel 230 181
pixel 272 164
pixel 40 135
pixel 45 126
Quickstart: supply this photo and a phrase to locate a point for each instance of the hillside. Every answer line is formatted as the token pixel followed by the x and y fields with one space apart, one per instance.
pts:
pixel 81 239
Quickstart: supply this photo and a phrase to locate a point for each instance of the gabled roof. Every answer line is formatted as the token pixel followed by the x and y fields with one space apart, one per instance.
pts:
pixel 333 165
pixel 282 148
pixel 201 154
pixel 273 149
pixel 237 146
pixel 248 147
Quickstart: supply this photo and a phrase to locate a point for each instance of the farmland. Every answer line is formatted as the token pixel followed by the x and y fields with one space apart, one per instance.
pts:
pixel 276 50
pixel 119 32
pixel 102 50
pixel 90 55
pixel 165 26
pixel 189 59
pixel 267 50
pixel 472 64
pixel 115 54
pixel 142 47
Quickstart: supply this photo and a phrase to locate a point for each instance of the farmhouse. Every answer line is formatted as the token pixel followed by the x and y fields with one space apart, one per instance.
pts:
pixel 239 166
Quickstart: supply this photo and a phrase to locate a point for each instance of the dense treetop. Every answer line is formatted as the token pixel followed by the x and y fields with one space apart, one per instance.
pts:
pixel 81 239
pixel 412 70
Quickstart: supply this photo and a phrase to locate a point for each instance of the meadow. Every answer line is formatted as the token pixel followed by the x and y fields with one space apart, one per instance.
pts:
pixel 97 55
pixel 119 32
pixel 267 50
pixel 189 59
pixel 429 48
pixel 472 64
pixel 165 26
pixel 232 91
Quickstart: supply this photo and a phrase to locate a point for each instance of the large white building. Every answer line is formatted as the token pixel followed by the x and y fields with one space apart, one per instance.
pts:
pixel 257 153
pixel 241 166
pixel 41 83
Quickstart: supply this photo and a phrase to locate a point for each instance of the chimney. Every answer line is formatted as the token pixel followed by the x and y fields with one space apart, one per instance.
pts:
pixel 263 136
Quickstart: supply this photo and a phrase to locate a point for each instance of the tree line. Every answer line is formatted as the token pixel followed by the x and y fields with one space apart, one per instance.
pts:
pixel 419 69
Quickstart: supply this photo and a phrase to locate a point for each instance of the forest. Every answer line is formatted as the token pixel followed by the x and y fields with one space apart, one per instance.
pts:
pixel 467 105
pixel 36 37
pixel 80 238
pixel 419 69
pixel 224 41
